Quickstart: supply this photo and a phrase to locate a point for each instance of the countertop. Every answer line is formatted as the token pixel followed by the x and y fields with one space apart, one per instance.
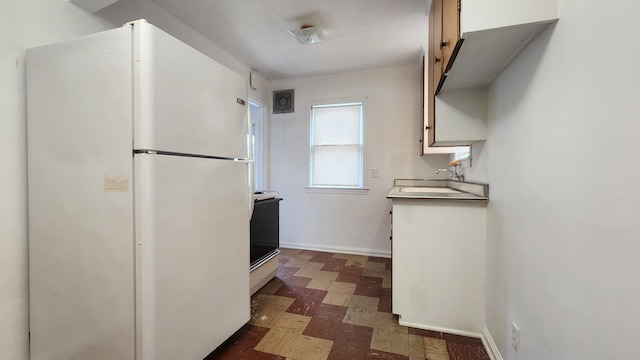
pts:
pixel 438 190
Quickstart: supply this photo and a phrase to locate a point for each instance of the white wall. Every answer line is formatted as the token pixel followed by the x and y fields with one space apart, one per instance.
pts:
pixel 23 24
pixel 563 236
pixel 356 223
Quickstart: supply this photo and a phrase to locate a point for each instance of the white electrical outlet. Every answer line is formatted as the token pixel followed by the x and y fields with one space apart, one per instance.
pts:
pixel 375 173
pixel 515 337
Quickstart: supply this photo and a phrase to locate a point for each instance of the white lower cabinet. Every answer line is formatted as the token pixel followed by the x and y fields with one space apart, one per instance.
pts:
pixel 438 273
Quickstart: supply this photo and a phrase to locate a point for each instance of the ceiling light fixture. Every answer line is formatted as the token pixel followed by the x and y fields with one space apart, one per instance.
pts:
pixel 307 34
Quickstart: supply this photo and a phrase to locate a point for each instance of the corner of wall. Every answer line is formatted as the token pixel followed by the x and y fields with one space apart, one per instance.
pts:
pixel 490 345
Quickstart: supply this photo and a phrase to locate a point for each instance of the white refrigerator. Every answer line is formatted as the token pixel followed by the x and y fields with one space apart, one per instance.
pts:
pixel 140 196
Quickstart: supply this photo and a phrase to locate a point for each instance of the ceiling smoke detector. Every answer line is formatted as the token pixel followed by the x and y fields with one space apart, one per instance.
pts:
pixel 308 34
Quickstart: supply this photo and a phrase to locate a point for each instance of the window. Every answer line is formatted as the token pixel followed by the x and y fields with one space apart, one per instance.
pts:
pixel 462 153
pixel 336 146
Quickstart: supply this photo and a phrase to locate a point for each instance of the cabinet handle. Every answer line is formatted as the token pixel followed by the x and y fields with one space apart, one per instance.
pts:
pixel 427 127
pixel 437 60
pixel 443 44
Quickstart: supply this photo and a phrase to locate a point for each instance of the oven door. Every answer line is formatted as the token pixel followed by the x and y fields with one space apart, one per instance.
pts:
pixel 265 229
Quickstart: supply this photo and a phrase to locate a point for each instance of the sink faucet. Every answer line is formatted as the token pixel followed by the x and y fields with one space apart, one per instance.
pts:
pixel 455 171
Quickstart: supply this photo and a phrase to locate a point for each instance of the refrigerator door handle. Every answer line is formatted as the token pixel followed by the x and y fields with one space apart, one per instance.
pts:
pixel 250 164
pixel 251 188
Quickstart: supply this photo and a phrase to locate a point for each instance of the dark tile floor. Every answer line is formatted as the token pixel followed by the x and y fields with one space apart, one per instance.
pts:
pixel 335 306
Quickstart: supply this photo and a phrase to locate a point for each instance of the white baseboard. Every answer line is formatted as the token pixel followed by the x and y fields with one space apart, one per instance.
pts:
pixel 490 345
pixel 440 329
pixel 487 340
pixel 338 249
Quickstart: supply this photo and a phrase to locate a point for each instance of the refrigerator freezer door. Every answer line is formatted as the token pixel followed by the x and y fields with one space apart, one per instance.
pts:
pixel 185 101
pixel 192 251
pixel 81 253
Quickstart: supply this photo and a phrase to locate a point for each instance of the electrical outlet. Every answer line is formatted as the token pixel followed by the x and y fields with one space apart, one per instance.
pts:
pixel 375 173
pixel 515 337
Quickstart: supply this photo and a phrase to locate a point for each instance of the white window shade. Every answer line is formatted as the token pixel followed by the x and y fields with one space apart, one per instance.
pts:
pixel 336 146
pixel 336 165
pixel 336 125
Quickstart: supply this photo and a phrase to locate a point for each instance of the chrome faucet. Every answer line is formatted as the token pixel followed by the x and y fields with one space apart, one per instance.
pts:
pixel 454 170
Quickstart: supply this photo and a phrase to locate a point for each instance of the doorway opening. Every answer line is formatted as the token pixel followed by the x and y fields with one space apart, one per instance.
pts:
pixel 257 114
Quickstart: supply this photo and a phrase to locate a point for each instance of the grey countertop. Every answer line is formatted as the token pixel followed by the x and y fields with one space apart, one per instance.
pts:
pixel 438 189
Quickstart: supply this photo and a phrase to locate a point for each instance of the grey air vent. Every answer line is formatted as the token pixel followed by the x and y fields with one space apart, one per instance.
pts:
pixel 283 101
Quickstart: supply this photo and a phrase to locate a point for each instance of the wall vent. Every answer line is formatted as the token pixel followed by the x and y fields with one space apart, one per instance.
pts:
pixel 283 101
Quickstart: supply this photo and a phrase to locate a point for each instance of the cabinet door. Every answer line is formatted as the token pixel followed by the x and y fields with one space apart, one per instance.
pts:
pixel 450 31
pixel 424 77
pixel 435 38
pixel 433 66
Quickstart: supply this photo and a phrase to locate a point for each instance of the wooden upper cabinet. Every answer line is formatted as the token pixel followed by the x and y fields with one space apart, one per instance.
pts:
pixel 435 35
pixel 450 40
pixel 445 40
pixel 470 43
pixel 433 67
pixel 480 38
pixel 423 97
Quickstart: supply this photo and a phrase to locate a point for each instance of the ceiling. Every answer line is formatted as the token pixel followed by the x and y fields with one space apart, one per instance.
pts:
pixel 360 34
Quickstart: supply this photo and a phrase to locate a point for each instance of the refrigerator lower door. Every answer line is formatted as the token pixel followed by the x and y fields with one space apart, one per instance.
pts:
pixel 192 254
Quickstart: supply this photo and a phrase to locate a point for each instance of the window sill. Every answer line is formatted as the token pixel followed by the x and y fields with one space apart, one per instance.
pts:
pixel 336 190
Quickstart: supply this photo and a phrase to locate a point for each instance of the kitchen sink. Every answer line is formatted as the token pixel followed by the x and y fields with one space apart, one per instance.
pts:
pixel 429 189
pixel 437 189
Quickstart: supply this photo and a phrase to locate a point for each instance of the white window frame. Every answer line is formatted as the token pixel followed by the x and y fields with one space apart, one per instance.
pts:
pixel 361 187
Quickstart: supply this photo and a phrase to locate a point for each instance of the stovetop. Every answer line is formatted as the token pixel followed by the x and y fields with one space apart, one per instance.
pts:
pixel 265 195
